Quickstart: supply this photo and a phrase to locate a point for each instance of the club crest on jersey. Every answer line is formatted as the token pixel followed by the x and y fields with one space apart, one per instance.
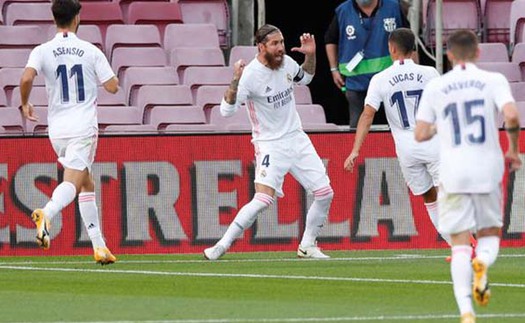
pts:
pixel 263 173
pixel 350 32
pixel 288 78
pixel 389 24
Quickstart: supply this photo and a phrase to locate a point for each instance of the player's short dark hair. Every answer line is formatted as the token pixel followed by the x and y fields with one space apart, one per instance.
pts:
pixel 263 32
pixel 64 11
pixel 463 44
pixel 403 39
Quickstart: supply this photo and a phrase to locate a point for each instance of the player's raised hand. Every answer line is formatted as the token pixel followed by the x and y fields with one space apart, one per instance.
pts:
pixel 29 112
pixel 238 68
pixel 514 160
pixel 350 161
pixel 307 44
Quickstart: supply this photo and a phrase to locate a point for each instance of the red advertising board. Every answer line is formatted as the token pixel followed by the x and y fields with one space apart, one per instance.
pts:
pixel 178 193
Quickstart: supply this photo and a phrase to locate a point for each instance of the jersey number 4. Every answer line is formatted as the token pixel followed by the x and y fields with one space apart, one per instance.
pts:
pixel 75 71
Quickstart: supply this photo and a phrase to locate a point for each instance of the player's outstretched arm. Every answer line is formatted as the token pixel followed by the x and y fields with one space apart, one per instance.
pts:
pixel 26 85
pixel 363 127
pixel 512 125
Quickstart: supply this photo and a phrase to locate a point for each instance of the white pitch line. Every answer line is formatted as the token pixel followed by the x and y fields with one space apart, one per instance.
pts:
pixel 266 260
pixel 320 319
pixel 260 276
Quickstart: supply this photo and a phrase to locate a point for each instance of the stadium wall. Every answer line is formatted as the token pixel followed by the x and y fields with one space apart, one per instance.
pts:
pixel 178 193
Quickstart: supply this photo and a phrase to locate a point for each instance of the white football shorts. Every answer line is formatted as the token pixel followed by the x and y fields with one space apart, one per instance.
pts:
pixel 76 153
pixel 419 163
pixel 421 177
pixel 469 212
pixel 295 154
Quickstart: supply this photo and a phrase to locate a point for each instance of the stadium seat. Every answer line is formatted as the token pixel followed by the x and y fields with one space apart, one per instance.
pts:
pixel 124 57
pixel 21 36
pixel 10 79
pixel 493 52
pixel 182 57
pixel 302 94
pixel 124 5
pixel 3 99
pixel 518 91
pixel 40 126
pixel 239 121
pixel 131 36
pixel 89 33
pixel 209 96
pixel 313 118
pixel 195 76
pixel 157 95
pixel 510 70
pixel 246 53
pixel 460 14
pixel 518 57
pixel 5 3
pixel 517 22
pixel 118 115
pixel 101 14
pixel 136 76
pixel 129 129
pixel 185 118
pixel 12 121
pixel 106 98
pixel 190 35
pixel 14 57
pixel 38 97
pixel 29 13
pixel 497 20
pixel 216 12
pixel 158 13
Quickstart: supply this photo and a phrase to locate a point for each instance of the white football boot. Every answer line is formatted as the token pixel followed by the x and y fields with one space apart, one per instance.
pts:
pixel 214 252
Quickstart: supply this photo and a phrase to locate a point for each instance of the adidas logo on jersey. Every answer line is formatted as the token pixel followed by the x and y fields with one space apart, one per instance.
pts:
pixel 268 89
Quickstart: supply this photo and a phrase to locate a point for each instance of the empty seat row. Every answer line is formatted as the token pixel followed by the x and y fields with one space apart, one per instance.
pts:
pixel 176 36
pixel 106 13
pixel 161 118
pixel 492 20
pixel 497 52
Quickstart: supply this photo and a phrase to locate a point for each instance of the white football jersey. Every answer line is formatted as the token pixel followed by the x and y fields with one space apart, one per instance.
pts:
pixel 269 98
pixel 399 88
pixel 72 69
pixel 464 104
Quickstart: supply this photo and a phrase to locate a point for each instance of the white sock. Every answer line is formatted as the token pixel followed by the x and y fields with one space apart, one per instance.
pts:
pixel 316 216
pixel 63 194
pixel 461 270
pixel 432 209
pixel 89 213
pixel 245 218
pixel 487 249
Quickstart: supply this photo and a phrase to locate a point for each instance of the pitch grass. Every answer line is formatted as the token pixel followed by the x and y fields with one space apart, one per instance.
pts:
pixel 372 286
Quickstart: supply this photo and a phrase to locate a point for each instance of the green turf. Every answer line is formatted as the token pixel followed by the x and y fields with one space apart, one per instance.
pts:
pixel 390 286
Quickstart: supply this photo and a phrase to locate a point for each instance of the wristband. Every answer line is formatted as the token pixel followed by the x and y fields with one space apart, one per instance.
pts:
pixel 333 69
pixel 513 129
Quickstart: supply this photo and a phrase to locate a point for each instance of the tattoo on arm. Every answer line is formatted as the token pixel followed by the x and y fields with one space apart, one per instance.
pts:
pixel 309 64
pixel 231 93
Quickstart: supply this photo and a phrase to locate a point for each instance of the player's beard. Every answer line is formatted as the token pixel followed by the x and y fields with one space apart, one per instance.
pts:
pixel 274 61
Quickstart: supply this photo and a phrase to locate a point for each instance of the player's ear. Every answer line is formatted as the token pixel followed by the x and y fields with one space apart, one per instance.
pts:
pixel 450 57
